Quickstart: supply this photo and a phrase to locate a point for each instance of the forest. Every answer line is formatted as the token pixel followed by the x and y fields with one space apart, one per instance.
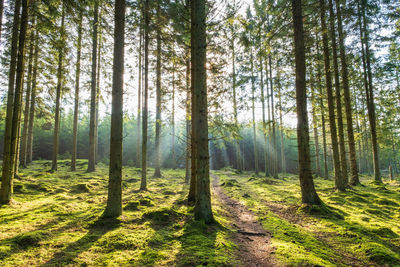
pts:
pixel 200 133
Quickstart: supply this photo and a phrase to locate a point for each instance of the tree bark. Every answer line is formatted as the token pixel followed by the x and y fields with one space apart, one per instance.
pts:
pixel 354 179
pixel 342 147
pixel 28 93
pixel 11 141
pixel 56 134
pixel 143 182
pixel 114 200
pixel 253 89
pixel 308 193
pixel 370 98
pixel 93 93
pixel 7 170
pixel 33 100
pixel 188 131
pixel 339 183
pixel 139 109
pixel 202 209
pixel 157 167
pixel 77 85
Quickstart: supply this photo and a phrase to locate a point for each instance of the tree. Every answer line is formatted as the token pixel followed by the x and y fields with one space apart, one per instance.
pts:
pixel 33 100
pixel 77 87
pixel 146 16
pixel 202 209
pixel 339 183
pixel 354 179
pixel 61 47
pixel 114 200
pixel 157 168
pixel 342 149
pixel 14 109
pixel 308 192
pixel 93 93
pixel 28 93
pixel 370 92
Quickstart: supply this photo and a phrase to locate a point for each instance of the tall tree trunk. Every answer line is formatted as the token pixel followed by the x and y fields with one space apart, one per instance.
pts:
pixel 98 93
pixel 266 169
pixel 28 93
pixel 8 157
pixel 139 109
pixel 188 157
pixel 308 193
pixel 269 139
pixel 342 147
pixel 77 85
pixel 173 116
pixel 370 98
pixel 253 108
pixel 202 209
pixel 354 179
pixel 7 180
pixel 114 200
pixel 143 182
pixel 339 183
pixel 33 100
pixel 315 129
pixel 157 167
pixel 322 108
pixel 235 112
pixel 56 134
pixel 93 93
pixel 283 159
pixel 274 152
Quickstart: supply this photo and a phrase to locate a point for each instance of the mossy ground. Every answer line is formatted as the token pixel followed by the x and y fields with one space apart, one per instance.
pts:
pixel 55 219
pixel 359 227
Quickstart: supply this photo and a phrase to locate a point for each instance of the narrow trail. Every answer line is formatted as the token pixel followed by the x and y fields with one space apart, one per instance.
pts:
pixel 253 241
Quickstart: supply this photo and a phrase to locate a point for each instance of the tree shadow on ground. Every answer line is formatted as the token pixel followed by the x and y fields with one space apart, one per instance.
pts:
pixel 96 231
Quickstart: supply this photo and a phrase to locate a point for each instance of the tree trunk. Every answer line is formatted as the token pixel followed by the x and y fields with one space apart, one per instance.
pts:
pixel 24 138
pixel 114 200
pixel 321 105
pixel 354 179
pixel 253 89
pixel 235 113
pixel 342 147
pixel 339 183
pixel 157 167
pixel 188 131
pixel 98 94
pixel 202 209
pixel 19 84
pixel 308 193
pixel 7 170
pixel 33 101
pixel 77 85
pixel 266 169
pixel 56 134
pixel 139 109
pixel 93 93
pixel 283 159
pixel 315 129
pixel 143 182
pixel 173 115
pixel 370 98
pixel 274 152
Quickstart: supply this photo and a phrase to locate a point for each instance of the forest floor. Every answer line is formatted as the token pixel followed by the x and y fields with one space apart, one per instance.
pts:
pixel 55 219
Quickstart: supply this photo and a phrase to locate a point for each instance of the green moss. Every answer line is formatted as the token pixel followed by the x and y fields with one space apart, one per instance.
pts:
pixel 379 253
pixel 30 239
